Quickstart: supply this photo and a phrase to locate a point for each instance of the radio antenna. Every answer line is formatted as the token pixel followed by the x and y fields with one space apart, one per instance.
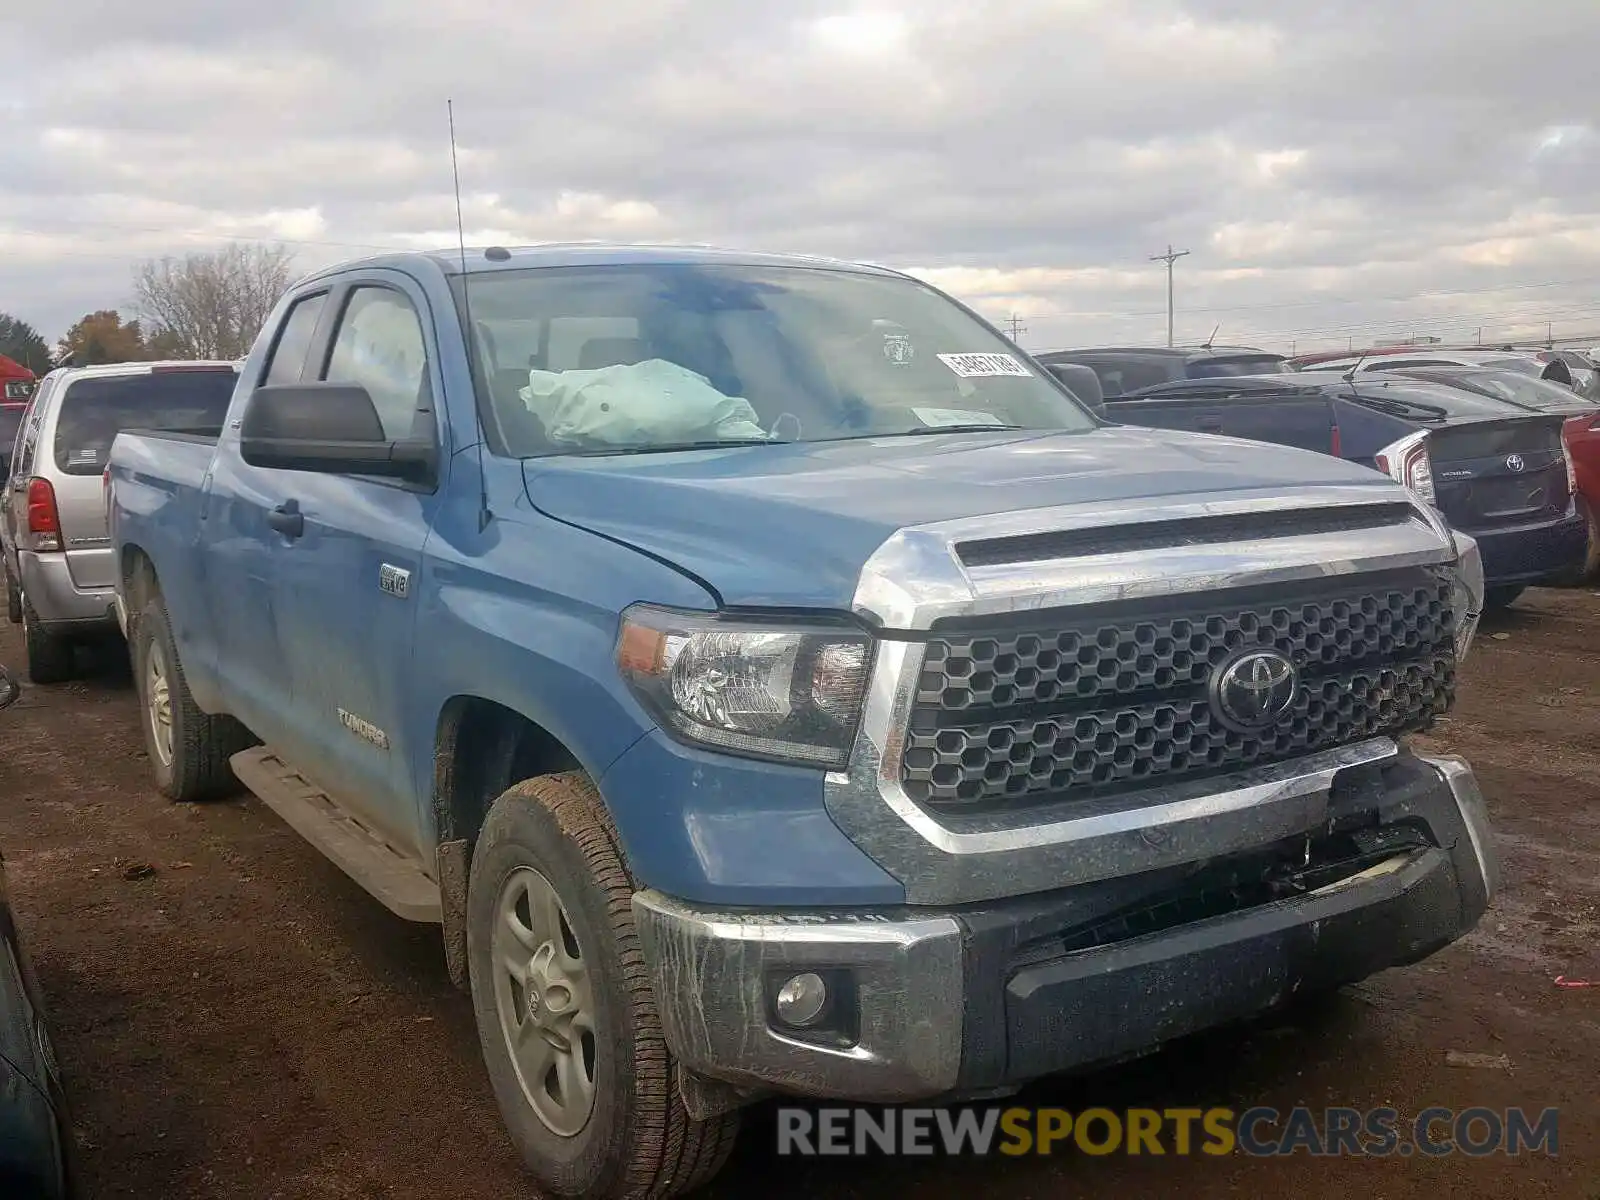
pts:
pixel 471 330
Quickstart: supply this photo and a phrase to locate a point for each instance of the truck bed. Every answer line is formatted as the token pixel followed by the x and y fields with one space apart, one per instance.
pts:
pixel 157 479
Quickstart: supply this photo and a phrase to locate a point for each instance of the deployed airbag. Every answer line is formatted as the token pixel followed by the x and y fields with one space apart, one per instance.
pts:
pixel 637 404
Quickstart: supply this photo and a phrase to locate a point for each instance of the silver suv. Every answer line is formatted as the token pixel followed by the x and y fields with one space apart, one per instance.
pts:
pixel 58 562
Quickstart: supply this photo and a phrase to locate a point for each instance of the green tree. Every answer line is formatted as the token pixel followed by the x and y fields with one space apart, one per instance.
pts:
pixel 21 343
pixel 103 337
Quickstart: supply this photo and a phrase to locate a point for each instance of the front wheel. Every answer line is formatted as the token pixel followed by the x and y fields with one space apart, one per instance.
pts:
pixel 566 1016
pixel 1501 597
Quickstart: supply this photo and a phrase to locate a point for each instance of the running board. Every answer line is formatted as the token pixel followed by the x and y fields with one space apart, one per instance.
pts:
pixel 396 880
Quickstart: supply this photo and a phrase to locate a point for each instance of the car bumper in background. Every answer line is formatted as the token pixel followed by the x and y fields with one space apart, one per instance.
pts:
pixel 61 604
pixel 1533 554
pixel 942 1004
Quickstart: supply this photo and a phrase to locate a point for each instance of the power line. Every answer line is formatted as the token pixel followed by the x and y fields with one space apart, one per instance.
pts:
pixel 1170 257
pixel 1016 328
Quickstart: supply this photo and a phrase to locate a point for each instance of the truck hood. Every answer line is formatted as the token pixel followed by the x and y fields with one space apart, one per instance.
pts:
pixel 791 525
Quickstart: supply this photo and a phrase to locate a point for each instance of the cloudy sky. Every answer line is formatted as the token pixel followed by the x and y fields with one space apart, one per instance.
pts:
pixel 1338 170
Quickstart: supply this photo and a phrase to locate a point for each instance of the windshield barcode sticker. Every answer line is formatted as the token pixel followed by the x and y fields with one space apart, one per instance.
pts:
pixel 984 366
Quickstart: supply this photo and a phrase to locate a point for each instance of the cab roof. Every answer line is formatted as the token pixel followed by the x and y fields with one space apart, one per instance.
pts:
pixel 590 254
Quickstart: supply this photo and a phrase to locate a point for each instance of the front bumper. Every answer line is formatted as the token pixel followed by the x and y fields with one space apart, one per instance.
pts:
pixel 1534 554
pixel 939 1004
pixel 62 606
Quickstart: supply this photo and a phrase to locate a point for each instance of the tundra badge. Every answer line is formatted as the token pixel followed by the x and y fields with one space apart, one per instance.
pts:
pixel 394 581
pixel 363 729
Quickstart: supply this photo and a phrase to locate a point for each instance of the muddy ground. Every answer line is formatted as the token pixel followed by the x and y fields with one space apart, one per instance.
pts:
pixel 245 1022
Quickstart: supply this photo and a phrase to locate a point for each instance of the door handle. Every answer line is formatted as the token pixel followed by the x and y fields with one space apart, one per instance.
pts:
pixel 1209 425
pixel 287 519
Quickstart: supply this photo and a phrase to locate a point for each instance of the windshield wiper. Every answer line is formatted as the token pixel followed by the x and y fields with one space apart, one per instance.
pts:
pixel 974 427
pixel 1401 408
pixel 669 447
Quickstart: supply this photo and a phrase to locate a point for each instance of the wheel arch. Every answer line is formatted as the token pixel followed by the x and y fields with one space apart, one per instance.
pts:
pixel 481 748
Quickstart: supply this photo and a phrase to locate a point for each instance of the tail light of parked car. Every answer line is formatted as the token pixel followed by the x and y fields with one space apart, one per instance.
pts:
pixel 44 521
pixel 1409 462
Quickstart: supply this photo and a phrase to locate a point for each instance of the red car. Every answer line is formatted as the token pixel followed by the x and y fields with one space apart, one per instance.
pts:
pixel 1581 431
pixel 16 385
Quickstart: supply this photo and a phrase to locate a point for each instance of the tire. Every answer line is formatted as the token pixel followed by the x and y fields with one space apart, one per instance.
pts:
pixel 552 837
pixel 1497 598
pixel 13 599
pixel 51 658
pixel 190 758
pixel 1591 563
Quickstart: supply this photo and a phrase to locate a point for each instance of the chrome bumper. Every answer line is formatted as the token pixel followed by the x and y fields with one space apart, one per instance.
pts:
pixel 715 973
pixel 1463 784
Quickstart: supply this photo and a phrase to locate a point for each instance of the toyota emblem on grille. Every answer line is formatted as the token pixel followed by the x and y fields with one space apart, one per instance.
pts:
pixel 1514 462
pixel 1254 690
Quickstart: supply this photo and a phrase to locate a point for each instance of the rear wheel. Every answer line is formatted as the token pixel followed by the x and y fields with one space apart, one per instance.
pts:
pixel 1501 597
pixel 565 1010
pixel 13 599
pixel 189 749
pixel 51 658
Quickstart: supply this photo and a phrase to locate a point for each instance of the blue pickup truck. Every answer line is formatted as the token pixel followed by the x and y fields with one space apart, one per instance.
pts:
pixel 772 682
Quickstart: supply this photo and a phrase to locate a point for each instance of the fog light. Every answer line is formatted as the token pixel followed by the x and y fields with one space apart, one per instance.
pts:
pixel 802 999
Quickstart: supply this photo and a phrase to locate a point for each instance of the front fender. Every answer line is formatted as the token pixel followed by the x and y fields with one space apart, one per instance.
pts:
pixel 525 615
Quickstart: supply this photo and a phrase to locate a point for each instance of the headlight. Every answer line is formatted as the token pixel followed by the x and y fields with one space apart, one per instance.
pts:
pixel 1467 593
pixel 768 690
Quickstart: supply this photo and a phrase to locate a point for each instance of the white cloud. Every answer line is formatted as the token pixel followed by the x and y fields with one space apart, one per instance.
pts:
pixel 1336 170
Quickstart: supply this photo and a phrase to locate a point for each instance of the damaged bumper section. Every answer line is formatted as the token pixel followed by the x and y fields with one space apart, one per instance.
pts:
pixel 940 1003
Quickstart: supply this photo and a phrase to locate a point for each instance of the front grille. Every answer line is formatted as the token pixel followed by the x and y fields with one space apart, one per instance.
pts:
pixel 1094 703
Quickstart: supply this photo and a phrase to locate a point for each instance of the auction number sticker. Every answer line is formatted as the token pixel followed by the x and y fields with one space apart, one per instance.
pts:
pixel 984 366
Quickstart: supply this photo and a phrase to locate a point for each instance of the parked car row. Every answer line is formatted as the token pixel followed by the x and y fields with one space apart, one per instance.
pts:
pixel 1503 452
pixel 771 682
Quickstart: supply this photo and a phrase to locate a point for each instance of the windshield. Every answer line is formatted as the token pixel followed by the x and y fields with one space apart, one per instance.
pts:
pixel 652 357
pixel 1220 368
pixel 1517 388
pixel 97 408
pixel 1530 367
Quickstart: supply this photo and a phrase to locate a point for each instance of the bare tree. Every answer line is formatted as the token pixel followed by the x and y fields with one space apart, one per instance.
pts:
pixel 211 305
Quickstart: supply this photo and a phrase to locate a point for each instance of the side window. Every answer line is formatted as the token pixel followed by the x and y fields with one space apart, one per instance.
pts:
pixel 294 340
pixel 379 346
pixel 32 417
pixel 1135 374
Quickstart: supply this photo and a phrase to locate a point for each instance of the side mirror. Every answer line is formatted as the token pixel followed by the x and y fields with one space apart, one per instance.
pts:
pixel 330 428
pixel 10 689
pixel 1083 383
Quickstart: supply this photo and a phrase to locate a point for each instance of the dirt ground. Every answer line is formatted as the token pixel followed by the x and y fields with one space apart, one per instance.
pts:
pixel 244 1022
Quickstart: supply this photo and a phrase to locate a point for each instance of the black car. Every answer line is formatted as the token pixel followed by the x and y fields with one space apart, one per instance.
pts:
pixel 34 1158
pixel 1124 369
pixel 1498 472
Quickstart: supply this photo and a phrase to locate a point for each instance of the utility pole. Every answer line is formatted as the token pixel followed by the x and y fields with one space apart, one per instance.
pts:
pixel 1016 327
pixel 1170 257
